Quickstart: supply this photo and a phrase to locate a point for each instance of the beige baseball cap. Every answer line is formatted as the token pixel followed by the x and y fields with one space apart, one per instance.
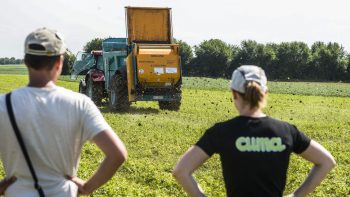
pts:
pixel 246 73
pixel 44 42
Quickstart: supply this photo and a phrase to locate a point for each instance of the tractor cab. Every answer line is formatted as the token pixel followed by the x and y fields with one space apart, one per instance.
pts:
pixel 114 58
pixel 98 59
pixel 86 61
pixel 91 66
pixel 99 67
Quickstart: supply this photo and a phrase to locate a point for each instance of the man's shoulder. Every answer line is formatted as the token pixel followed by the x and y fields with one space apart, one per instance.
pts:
pixel 3 98
pixel 68 92
pixel 70 95
pixel 2 102
pixel 56 93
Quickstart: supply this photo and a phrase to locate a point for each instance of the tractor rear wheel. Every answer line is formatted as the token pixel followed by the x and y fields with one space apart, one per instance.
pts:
pixel 82 87
pixel 94 90
pixel 118 96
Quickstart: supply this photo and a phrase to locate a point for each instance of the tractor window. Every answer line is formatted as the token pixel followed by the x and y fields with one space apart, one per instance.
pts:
pixel 99 64
pixel 111 63
pixel 81 56
pixel 82 63
pixel 121 61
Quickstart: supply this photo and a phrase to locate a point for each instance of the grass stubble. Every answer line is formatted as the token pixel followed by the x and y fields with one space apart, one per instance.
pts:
pixel 155 139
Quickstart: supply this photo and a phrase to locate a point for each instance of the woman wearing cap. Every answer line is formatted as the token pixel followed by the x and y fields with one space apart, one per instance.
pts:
pixel 254 148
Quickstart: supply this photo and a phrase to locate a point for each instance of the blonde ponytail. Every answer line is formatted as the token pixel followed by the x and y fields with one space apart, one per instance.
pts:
pixel 254 95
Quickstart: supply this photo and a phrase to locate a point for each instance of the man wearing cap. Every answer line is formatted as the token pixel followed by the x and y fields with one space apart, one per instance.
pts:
pixel 254 148
pixel 54 123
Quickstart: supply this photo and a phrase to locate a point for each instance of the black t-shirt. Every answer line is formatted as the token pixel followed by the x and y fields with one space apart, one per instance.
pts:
pixel 254 153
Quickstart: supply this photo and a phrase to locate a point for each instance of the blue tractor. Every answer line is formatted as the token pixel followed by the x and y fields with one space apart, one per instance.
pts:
pixel 105 74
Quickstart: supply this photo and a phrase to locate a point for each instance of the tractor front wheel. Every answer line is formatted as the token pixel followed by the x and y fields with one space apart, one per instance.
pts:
pixel 82 87
pixel 94 90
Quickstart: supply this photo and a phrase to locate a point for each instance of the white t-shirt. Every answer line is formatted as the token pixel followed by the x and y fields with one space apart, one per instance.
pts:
pixel 54 123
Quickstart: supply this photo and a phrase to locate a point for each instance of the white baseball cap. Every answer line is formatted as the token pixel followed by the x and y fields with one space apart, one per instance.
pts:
pixel 44 42
pixel 245 73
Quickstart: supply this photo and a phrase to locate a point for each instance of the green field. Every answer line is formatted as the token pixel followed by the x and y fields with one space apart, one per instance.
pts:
pixel 294 88
pixel 13 69
pixel 155 139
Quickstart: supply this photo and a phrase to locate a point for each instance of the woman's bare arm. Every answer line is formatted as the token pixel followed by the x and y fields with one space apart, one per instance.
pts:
pixel 323 163
pixel 189 162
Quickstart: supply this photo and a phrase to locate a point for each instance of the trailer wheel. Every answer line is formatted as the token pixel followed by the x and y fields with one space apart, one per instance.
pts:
pixel 82 87
pixel 172 105
pixel 94 91
pixel 118 96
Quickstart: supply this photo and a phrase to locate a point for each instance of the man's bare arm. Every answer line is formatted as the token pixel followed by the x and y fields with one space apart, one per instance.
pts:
pixel 115 154
pixel 5 183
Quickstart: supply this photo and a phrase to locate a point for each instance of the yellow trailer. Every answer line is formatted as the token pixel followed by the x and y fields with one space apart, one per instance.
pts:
pixel 153 61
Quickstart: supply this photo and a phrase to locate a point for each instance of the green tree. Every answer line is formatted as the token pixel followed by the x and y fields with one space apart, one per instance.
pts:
pixel 253 53
pixel 348 68
pixel 268 62
pixel 248 54
pixel 12 60
pixel 329 61
pixel 69 59
pixel 6 60
pixel 293 60
pixel 94 44
pixel 186 55
pixel 19 61
pixel 212 58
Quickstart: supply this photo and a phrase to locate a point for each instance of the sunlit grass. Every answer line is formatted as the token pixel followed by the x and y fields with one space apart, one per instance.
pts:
pixel 155 139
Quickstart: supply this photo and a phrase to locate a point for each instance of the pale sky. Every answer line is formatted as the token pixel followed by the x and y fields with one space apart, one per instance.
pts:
pixel 193 20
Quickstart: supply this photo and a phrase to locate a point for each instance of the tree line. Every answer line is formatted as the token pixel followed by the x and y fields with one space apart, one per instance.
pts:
pixel 12 60
pixel 69 59
pixel 284 61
